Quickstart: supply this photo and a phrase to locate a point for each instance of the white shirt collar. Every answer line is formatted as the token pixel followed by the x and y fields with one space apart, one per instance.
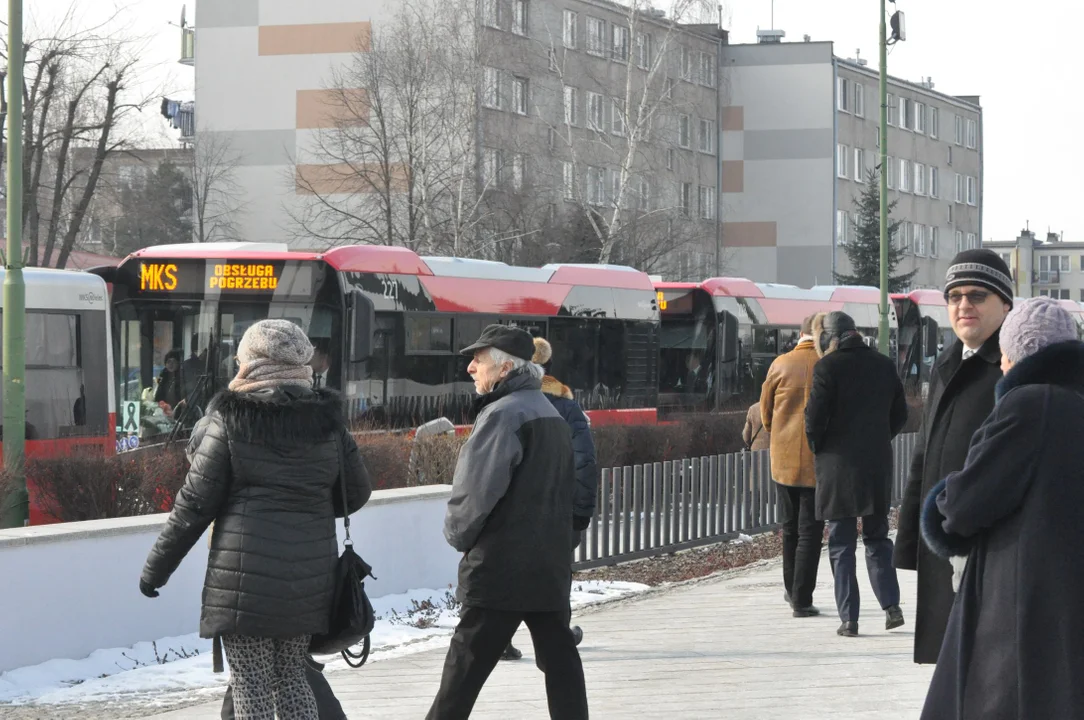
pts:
pixel 968 352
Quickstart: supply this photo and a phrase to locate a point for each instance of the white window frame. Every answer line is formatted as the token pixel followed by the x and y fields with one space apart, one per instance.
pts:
pixel 843 220
pixel 706 139
pixel 669 158
pixel 643 198
pixel 707 69
pixel 972 134
pixel 890 162
pixel 596 36
pixel 859 165
pixel 617 117
pixel 491 167
pixel 521 90
pixel 568 33
pixel 959 130
pixel 492 97
pixel 960 189
pixel 517 171
pixel 572 109
pixel 920 118
pixel 519 17
pixel 891 109
pixel 935 182
pixel 568 172
pixel 686 64
pixel 920 178
pixel 684 131
pixel 596 185
pixel 491 13
pixel 919 240
pixel 901 122
pixel 972 191
pixel 905 175
pixel 1064 264
pixel 645 46
pixel 959 241
pixel 972 241
pixel 685 197
pixel 620 42
pixel 706 204
pixel 596 112
pixel 859 100
pixel 935 122
pixel 843 161
pixel 615 187
pixel 934 241
pixel 842 103
pixel 951 213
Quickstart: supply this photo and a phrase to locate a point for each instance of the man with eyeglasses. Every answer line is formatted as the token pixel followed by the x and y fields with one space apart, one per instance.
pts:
pixel 979 293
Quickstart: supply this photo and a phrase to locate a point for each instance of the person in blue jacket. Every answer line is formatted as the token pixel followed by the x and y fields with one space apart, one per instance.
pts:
pixel 583 446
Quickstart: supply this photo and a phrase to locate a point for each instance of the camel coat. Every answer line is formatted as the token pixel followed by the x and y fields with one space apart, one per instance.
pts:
pixel 783 399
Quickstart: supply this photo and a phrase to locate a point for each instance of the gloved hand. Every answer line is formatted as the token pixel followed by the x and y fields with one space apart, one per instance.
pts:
pixel 580 522
pixel 147 589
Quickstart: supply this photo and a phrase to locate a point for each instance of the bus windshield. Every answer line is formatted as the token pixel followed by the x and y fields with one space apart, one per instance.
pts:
pixel 174 355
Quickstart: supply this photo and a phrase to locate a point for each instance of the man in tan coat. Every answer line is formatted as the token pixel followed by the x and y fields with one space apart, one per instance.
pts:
pixel 782 407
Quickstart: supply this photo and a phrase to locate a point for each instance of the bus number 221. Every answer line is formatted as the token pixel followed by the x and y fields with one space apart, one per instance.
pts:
pixel 391 289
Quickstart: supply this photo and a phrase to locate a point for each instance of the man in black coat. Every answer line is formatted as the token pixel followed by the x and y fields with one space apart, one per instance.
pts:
pixel 510 514
pixel 978 291
pixel 856 406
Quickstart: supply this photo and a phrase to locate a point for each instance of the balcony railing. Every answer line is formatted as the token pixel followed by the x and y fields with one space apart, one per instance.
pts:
pixel 1046 277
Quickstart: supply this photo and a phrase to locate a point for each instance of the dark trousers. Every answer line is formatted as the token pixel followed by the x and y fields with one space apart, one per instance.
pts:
pixel 842 543
pixel 803 537
pixel 480 638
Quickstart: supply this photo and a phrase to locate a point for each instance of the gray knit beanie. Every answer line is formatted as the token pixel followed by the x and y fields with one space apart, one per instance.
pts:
pixel 280 341
pixel 1034 324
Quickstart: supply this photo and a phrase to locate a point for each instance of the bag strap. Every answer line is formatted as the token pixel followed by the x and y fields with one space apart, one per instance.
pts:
pixel 342 486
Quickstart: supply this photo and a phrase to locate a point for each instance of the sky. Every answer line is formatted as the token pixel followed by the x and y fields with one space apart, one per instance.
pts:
pixel 1016 61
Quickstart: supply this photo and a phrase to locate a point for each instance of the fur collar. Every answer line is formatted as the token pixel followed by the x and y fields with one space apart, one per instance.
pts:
pixel 553 386
pixel 944 544
pixel 846 341
pixel 288 414
pixel 1061 364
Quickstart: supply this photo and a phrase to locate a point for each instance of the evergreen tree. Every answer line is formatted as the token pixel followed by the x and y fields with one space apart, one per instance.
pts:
pixel 156 210
pixel 864 250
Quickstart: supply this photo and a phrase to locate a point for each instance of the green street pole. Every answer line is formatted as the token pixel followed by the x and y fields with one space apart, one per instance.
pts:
pixel 882 330
pixel 15 512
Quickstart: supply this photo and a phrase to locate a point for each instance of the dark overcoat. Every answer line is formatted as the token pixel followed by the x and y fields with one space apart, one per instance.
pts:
pixel 1014 645
pixel 265 469
pixel 856 406
pixel 960 398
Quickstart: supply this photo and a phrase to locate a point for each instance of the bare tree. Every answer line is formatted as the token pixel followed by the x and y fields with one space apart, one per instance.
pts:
pixel 217 196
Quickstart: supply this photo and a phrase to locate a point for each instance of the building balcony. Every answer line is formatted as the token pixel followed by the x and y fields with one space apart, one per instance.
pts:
pixel 188 46
pixel 1046 277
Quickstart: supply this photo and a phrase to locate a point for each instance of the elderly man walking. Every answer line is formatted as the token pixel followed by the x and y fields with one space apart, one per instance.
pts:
pixel 782 406
pixel 510 514
pixel 978 293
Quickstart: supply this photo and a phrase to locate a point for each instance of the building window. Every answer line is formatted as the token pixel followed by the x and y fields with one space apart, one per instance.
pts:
pixel 906 114
pixel 960 188
pixel 959 130
pixel 685 196
pixel 890 104
pixel 920 240
pixel 596 36
pixel 707 136
pixel 491 90
pixel 670 158
pixel 891 172
pixel 491 166
pixel 686 64
pixel 842 221
pixel 920 179
pixel 859 165
pixel 707 69
pixel 572 110
pixel 972 134
pixel 841 94
pixel 620 43
pixel 951 213
pixel 595 112
pixel 617 117
pixel 959 241
pixel 859 100
pixel 1064 263
pixel 571 21
pixel 596 185
pixel 517 171
pixel 644 51
pixel 519 17
pixel 935 182
pixel 644 196
pixel 519 95
pixel 668 88
pixel 972 241
pixel 935 239
pixel 842 160
pixel 491 13
pixel 905 175
pixel 972 191
pixel 569 173
pixel 707 202
pixel 683 131
pixel 935 122
pixel 615 188
pixel 920 118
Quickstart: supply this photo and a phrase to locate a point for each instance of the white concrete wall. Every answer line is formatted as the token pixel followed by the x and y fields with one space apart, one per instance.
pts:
pixel 73 588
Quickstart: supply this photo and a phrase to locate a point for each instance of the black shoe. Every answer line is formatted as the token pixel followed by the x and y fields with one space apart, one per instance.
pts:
pixel 808 611
pixel 577 634
pixel 893 617
pixel 848 629
pixel 511 653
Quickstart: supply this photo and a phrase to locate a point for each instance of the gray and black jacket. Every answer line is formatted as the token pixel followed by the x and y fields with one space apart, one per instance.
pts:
pixel 510 512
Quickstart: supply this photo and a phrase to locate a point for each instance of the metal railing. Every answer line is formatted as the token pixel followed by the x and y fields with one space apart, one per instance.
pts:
pixel 663 507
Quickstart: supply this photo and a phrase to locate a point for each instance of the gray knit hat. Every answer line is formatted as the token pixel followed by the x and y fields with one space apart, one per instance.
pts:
pixel 1034 324
pixel 278 340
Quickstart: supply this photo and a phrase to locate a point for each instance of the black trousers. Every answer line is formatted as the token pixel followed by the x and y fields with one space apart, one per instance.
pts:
pixel 480 638
pixel 803 537
pixel 326 702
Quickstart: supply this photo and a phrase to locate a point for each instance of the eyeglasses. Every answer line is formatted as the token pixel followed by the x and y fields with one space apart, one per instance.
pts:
pixel 975 297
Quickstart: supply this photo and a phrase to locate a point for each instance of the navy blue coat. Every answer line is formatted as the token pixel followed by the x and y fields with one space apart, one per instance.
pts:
pixel 585 496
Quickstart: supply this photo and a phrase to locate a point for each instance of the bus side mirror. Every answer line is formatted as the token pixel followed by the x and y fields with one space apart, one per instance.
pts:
pixel 931 339
pixel 362 319
pixel 731 349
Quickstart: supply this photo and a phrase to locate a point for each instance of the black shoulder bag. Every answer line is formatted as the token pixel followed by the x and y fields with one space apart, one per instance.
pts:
pixel 352 617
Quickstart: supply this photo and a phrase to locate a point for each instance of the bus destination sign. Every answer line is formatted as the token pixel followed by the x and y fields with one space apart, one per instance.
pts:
pixel 224 277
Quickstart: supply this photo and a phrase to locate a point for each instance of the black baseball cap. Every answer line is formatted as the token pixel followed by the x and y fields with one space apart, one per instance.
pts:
pixel 512 340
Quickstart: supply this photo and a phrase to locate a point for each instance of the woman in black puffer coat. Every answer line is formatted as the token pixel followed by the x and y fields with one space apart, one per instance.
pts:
pixel 265 469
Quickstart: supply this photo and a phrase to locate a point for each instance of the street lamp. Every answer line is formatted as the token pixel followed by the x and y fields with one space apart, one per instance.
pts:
pixel 898 33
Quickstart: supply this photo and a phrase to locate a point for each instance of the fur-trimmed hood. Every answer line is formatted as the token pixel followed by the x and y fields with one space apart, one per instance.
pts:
pixel 291 414
pixel 846 340
pixel 553 386
pixel 1061 364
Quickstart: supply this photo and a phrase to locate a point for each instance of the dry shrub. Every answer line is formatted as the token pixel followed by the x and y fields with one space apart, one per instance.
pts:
pixel 433 459
pixel 387 457
pixel 681 437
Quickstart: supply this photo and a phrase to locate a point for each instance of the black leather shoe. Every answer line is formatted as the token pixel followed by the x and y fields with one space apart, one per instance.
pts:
pixel 577 634
pixel 809 611
pixel 848 629
pixel 893 617
pixel 511 653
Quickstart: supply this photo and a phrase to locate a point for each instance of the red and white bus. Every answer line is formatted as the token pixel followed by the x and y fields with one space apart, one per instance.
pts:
pixel 70 401
pixel 390 322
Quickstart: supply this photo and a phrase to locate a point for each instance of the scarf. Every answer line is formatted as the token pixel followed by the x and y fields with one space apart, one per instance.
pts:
pixel 263 373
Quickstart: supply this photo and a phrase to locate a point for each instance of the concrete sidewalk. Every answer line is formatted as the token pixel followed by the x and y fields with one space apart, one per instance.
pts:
pixel 720 648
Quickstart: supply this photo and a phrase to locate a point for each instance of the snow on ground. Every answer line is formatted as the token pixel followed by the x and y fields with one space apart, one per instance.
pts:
pixel 178 669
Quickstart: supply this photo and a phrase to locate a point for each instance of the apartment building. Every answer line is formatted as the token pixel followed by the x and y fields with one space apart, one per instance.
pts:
pixel 1051 266
pixel 800 135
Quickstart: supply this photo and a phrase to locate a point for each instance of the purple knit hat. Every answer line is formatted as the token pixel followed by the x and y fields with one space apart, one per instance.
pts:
pixel 1034 324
